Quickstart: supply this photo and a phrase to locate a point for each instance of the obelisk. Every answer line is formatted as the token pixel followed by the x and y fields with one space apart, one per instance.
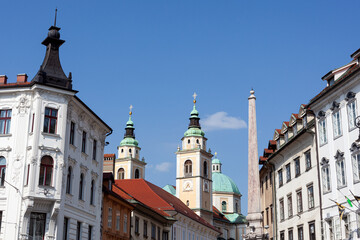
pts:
pixel 254 229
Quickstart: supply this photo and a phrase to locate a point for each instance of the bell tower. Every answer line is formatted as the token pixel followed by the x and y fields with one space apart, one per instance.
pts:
pixel 193 171
pixel 128 164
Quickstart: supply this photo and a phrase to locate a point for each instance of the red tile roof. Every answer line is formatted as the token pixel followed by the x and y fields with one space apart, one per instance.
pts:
pixel 286 123
pixel 268 151
pixel 219 216
pixel 158 199
pixel 109 155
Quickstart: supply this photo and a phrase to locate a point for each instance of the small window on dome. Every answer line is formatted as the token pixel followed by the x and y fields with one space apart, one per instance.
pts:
pixel 217 167
pixel 197 141
pixel 130 150
pixel 122 150
pixel 213 167
pixel 137 151
pixel 188 141
pixel 223 205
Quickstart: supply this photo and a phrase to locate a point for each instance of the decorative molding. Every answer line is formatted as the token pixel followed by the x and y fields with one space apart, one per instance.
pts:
pixel 355 147
pixel 335 106
pixel 84 168
pixel 324 161
pixel 321 114
pixel 23 105
pixel 94 175
pixel 339 155
pixel 350 95
pixel 72 161
pixel 51 149
pixel 7 149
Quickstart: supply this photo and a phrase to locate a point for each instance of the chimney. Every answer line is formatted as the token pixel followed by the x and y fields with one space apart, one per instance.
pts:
pixel 3 79
pixel 21 78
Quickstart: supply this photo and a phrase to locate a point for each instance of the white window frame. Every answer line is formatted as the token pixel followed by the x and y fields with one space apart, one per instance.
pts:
pixel 351 115
pixel 341 173
pixel 355 160
pixel 322 131
pixel 336 118
pixel 326 178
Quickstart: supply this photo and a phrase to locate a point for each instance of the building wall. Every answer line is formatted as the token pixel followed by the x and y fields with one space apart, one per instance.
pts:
pixel 23 149
pixel 333 227
pixel 266 193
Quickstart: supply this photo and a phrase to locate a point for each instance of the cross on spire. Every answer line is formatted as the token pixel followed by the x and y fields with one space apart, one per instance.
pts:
pixel 194 95
pixel 131 107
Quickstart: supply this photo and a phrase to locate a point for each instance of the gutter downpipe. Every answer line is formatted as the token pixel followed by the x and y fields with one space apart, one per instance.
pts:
pixel 274 201
pixel 318 169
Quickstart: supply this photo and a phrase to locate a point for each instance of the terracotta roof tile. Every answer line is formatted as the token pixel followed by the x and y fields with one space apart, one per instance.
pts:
pixel 219 215
pixel 109 155
pixel 158 199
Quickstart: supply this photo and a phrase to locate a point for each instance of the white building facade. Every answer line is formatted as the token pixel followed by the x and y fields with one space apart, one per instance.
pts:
pixel 336 109
pixel 51 148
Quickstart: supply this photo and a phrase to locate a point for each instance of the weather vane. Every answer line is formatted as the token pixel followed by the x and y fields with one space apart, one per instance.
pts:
pixel 194 95
pixel 131 107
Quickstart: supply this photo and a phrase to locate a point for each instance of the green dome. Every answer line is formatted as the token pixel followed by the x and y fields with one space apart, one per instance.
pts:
pixel 194 132
pixel 236 218
pixel 128 141
pixel 194 112
pixel 216 161
pixel 222 183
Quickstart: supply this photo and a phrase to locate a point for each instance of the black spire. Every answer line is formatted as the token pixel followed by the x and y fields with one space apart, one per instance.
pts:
pixel 51 72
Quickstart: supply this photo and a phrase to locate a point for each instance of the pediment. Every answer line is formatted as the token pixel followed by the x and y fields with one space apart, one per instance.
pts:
pixel 321 114
pixel 355 147
pixel 339 154
pixel 284 127
pixel 324 161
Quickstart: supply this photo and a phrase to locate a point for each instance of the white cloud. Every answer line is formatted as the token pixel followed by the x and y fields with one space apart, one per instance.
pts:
pixel 221 120
pixel 163 167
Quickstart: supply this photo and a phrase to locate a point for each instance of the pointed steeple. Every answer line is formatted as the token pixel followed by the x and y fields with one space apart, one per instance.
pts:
pixel 51 72
pixel 194 118
pixel 129 136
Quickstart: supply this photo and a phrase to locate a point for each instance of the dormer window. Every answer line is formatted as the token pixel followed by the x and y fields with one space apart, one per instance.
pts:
pixel 278 143
pixel 294 129
pixel 286 137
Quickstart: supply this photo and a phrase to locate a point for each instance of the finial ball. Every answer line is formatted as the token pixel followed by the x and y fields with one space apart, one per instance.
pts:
pixel 252 91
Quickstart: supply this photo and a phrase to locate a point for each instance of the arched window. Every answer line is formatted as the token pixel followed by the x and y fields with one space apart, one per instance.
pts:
pixel 137 173
pixel 2 170
pixel 81 186
pixel 68 180
pixel 213 167
pixel 187 202
pixel 205 169
pixel 223 206
pixel 46 168
pixel 236 207
pixel 122 150
pixel 188 141
pixel 188 168
pixel 130 150
pixel 197 141
pixel 121 173
pixel 92 191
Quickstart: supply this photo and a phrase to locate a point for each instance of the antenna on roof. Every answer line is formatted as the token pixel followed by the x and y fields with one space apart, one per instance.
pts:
pixel 55 17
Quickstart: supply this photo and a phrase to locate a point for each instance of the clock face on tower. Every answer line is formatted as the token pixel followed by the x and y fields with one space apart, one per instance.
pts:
pixel 188 185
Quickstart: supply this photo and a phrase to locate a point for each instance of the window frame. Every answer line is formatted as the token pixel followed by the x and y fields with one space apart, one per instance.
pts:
pixel 354 114
pixel 311 196
pixel 299 201
pixel 355 161
pixel 48 118
pixel 188 168
pixel 337 128
pixel 307 156
pixel 290 206
pixel 2 171
pixel 288 172
pixel 281 209
pixel 81 187
pixel 34 216
pixel 94 150
pixel 322 131
pixel 297 167
pixel 7 121
pixel 281 179
pixel 45 168
pixel 72 133
pixel 69 180
pixel 326 178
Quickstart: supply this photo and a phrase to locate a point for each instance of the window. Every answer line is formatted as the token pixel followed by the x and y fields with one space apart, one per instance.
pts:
pixel 5 121
pixel 121 173
pixel 356 167
pixel 299 201
pixel 68 181
pixel 187 202
pixel 165 236
pixel 336 124
pixel 83 142
pixel 2 170
pixel 312 231
pixel 270 177
pixel 326 179
pixel 50 120
pixel 236 207
pixel 1 213
pixel 288 173
pixel 297 167
pixel 137 174
pixel 90 232
pixel 308 160
pixel 46 168
pixel 351 108
pixel 286 137
pixel 290 208
pixel 310 190
pixel 271 213
pixel 267 216
pixel 94 150
pixel 153 231
pixel 322 131
pixel 278 144
pixel 331 230
pixel 117 220
pixel 92 192
pixel 66 229
pixel 81 186
pixel 27 174
pixel 136 225
pixel 282 217
pixel 37 225
pixel 340 173
pixel 205 169
pixel 188 168
pixel 282 235
pixel 223 206
pixel 78 231
pixel 290 234
pixel 300 233
pixel 109 217
pixel 158 233
pixel 145 228
pixel 125 222
pixel 346 219
pixel 294 129
pixel 280 177
pixel 72 133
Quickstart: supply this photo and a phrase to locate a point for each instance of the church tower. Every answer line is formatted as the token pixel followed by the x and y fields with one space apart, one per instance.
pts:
pixel 193 171
pixel 128 164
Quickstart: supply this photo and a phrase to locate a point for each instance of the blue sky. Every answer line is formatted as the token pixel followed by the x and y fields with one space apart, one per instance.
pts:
pixel 155 54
